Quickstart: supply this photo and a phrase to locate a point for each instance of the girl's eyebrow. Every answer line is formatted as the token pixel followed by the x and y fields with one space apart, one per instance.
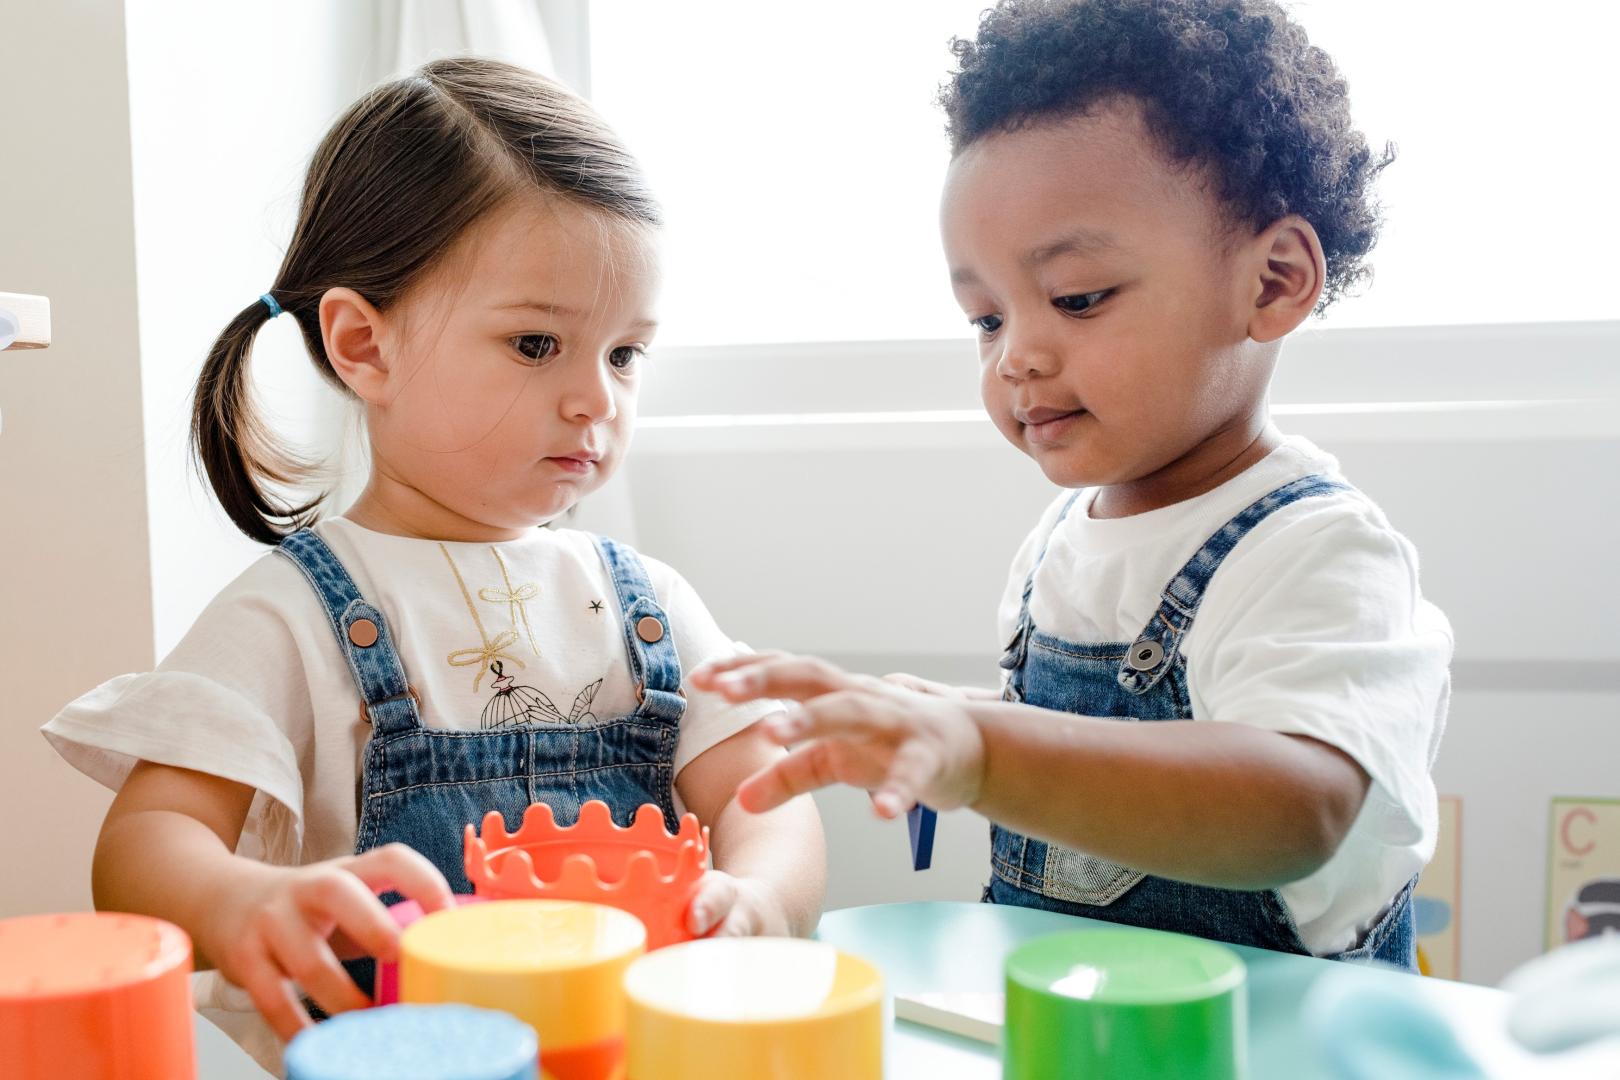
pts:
pixel 564 311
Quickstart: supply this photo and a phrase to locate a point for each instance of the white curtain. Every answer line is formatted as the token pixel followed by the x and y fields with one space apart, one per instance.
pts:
pixel 412 32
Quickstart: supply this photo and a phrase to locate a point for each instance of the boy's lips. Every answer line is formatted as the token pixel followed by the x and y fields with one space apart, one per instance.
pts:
pixel 1044 424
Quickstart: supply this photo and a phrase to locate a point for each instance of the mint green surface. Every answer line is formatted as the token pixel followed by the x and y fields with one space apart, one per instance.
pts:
pixel 1126 1003
pixel 963 946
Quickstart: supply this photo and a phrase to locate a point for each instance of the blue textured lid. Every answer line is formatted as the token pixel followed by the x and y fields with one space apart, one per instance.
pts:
pixel 416 1042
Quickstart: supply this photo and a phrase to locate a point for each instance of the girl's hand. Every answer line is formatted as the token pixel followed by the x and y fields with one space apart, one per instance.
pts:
pixel 271 927
pixel 903 746
pixel 727 906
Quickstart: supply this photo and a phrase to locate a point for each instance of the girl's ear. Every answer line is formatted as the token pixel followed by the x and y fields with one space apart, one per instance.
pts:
pixel 355 335
pixel 1290 272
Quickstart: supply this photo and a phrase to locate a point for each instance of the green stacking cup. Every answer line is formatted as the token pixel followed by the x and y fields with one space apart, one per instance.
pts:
pixel 1124 1003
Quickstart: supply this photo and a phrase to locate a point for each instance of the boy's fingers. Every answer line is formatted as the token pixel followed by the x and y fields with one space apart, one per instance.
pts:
pixel 795 677
pixel 807 768
pixel 913 768
pixel 704 674
pixel 849 714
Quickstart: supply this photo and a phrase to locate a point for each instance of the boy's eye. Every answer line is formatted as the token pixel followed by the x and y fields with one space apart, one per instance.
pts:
pixel 986 324
pixel 1076 305
pixel 625 356
pixel 535 347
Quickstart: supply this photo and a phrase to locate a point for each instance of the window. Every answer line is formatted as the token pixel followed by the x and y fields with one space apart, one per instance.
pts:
pixel 799 154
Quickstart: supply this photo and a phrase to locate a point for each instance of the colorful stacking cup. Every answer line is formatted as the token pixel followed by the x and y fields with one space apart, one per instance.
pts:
pixel 556 965
pixel 424 1042
pixel 95 996
pixel 1124 1003
pixel 761 1008
pixel 386 989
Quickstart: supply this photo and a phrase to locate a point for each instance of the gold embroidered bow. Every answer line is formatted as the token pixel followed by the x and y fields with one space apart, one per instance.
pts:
pixel 492 651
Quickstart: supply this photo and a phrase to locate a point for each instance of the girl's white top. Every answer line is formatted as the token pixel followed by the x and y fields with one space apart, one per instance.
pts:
pixel 1314 625
pixel 258 690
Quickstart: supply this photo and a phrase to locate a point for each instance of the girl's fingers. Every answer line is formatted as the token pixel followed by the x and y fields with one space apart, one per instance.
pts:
pixel 343 898
pixel 274 997
pixel 306 958
pixel 404 870
pixel 716 896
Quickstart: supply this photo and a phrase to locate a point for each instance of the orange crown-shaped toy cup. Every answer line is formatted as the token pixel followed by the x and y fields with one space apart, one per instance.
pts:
pixel 642 869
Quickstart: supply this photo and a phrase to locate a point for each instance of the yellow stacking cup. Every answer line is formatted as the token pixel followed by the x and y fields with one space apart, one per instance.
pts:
pixel 557 965
pixel 761 1008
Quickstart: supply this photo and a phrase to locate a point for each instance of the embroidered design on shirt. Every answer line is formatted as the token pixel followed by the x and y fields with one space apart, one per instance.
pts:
pixel 510 705
pixel 596 606
pixel 514 599
pixel 515 706
pixel 493 649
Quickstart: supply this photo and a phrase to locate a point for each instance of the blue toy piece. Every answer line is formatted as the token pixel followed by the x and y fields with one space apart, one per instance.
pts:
pixel 430 1042
pixel 1431 916
pixel 920 823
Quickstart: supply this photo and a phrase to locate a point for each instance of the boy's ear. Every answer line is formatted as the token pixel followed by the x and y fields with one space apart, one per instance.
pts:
pixel 1290 272
pixel 354 334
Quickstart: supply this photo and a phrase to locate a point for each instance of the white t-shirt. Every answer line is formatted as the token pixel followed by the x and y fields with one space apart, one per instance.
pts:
pixel 258 690
pixel 1313 625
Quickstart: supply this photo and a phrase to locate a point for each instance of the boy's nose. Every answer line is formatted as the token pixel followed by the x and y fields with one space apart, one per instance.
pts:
pixel 1022 358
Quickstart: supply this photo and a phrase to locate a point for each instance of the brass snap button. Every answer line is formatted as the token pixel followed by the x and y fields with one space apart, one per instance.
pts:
pixel 363 632
pixel 649 629
pixel 1145 655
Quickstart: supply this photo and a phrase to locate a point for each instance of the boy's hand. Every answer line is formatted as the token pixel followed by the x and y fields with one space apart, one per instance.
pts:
pixel 270 927
pixel 903 746
pixel 727 906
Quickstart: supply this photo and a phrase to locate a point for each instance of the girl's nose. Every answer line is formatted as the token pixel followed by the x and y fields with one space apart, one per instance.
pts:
pixel 589 395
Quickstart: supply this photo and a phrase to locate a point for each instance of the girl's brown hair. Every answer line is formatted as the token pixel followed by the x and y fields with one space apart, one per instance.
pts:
pixel 396 181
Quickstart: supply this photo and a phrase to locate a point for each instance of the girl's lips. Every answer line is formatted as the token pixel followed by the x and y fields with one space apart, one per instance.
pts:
pixel 576 465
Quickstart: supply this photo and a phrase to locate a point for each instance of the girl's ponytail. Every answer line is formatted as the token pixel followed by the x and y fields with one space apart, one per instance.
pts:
pixel 400 176
pixel 236 449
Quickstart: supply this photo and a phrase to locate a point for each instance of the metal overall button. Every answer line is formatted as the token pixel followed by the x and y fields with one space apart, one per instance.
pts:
pixel 649 629
pixel 363 632
pixel 1145 655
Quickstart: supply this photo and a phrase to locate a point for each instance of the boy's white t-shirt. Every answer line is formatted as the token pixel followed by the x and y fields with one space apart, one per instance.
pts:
pixel 1313 625
pixel 258 690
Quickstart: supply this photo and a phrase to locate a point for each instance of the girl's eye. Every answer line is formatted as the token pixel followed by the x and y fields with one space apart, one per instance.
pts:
pixel 1078 305
pixel 625 356
pixel 986 324
pixel 535 348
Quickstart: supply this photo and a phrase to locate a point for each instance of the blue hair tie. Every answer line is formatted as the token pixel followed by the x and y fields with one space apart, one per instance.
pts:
pixel 270 302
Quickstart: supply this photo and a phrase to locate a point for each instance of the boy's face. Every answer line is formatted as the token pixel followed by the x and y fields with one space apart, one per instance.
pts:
pixel 1109 292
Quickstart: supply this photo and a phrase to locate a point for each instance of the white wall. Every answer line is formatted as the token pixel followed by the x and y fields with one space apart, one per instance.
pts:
pixel 75 605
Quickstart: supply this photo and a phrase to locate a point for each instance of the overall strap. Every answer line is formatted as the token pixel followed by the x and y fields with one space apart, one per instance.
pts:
pixel 390 704
pixel 1155 649
pixel 1013 658
pixel 654 664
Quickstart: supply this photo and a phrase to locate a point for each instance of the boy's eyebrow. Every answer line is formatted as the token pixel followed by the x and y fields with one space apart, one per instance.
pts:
pixel 1077 242
pixel 564 311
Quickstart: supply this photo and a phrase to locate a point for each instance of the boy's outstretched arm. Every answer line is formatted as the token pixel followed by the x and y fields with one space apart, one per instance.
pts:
pixel 1219 804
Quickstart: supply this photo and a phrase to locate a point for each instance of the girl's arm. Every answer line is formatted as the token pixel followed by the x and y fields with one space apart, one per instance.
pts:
pixel 772 866
pixel 166 849
pixel 1213 803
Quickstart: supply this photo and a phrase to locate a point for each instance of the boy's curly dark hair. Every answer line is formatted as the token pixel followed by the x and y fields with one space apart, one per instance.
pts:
pixel 1233 85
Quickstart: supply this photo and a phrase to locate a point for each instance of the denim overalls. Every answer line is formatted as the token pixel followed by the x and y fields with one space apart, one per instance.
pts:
pixel 421 786
pixel 1146 680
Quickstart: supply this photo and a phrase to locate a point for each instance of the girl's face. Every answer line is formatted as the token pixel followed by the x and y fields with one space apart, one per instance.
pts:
pixel 1111 311
pixel 512 369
